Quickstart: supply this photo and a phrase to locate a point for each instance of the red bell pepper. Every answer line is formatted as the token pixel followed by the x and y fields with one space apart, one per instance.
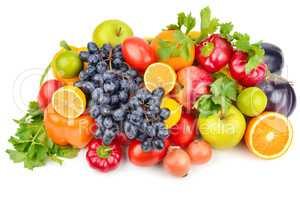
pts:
pixel 214 53
pixel 103 157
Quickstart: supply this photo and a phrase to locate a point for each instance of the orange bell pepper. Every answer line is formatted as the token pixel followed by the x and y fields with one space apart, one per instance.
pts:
pixel 76 132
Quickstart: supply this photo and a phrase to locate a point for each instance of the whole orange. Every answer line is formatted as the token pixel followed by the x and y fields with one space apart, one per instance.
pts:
pixel 177 62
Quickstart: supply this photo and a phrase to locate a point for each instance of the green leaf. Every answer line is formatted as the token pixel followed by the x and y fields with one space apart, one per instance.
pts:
pixel 207 49
pixel 242 41
pixel 172 27
pixel 208 25
pixel 189 23
pixel 253 62
pixel 16 156
pixel 206 106
pixel 180 47
pixel 223 92
pixel 165 50
pixel 180 19
pixel 31 143
pixel 67 152
pixel 225 30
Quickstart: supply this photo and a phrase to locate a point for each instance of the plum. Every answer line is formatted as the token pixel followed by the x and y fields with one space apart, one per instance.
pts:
pixel 281 95
pixel 273 58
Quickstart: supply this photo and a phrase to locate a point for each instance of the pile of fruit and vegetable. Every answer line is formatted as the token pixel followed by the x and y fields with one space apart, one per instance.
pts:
pixel 169 99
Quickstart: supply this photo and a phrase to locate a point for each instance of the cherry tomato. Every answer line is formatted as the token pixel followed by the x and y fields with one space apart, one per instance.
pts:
pixel 137 53
pixel 199 151
pixel 177 162
pixel 184 132
pixel 138 157
pixel 46 92
pixel 76 132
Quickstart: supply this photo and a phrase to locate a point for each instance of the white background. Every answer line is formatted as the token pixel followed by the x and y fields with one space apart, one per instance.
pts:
pixel 29 35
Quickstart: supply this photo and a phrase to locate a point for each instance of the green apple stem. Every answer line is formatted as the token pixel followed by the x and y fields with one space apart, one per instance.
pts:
pixel 63 44
pixel 118 32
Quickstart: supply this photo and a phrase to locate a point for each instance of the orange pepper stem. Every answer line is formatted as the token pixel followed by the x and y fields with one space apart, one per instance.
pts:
pixel 104 151
pixel 63 44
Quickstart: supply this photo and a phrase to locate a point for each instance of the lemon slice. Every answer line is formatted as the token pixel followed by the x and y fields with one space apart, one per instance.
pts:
pixel 69 102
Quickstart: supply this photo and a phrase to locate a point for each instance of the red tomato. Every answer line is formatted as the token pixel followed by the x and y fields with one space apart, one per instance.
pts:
pixel 137 53
pixel 184 132
pixel 46 92
pixel 138 157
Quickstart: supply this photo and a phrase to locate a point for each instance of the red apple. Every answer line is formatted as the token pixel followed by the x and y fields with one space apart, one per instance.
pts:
pixel 184 132
pixel 193 82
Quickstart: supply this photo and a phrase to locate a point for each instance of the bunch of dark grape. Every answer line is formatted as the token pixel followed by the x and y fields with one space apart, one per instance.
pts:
pixel 144 120
pixel 108 83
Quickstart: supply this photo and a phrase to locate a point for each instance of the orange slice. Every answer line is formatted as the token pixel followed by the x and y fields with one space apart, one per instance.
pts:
pixel 269 135
pixel 69 102
pixel 160 75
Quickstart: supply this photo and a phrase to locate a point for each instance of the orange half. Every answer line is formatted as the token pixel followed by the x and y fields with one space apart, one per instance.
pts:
pixel 269 135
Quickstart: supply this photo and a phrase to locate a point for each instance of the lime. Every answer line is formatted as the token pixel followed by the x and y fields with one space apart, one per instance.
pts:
pixel 252 101
pixel 68 64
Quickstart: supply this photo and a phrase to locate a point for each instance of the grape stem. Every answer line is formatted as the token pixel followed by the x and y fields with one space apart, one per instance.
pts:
pixel 110 58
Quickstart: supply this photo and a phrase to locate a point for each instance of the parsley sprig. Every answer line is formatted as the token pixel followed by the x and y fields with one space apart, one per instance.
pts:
pixel 223 92
pixel 31 143
pixel 181 43
pixel 180 47
pixel 255 51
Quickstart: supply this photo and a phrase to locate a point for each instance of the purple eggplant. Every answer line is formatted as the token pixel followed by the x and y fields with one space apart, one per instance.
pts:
pixel 280 93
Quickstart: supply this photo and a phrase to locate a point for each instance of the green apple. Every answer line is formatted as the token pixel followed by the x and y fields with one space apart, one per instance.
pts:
pixel 252 101
pixel 111 32
pixel 223 130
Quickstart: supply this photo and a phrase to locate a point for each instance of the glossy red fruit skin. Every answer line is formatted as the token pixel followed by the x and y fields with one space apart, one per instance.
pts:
pixel 103 164
pixel 137 53
pixel 46 92
pixel 144 159
pixel 184 132
pixel 238 72
pixel 218 58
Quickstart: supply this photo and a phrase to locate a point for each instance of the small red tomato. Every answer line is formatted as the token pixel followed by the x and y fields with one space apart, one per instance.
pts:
pixel 199 151
pixel 140 158
pixel 103 157
pixel 184 132
pixel 46 92
pixel 137 53
pixel 237 69
pixel 177 162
